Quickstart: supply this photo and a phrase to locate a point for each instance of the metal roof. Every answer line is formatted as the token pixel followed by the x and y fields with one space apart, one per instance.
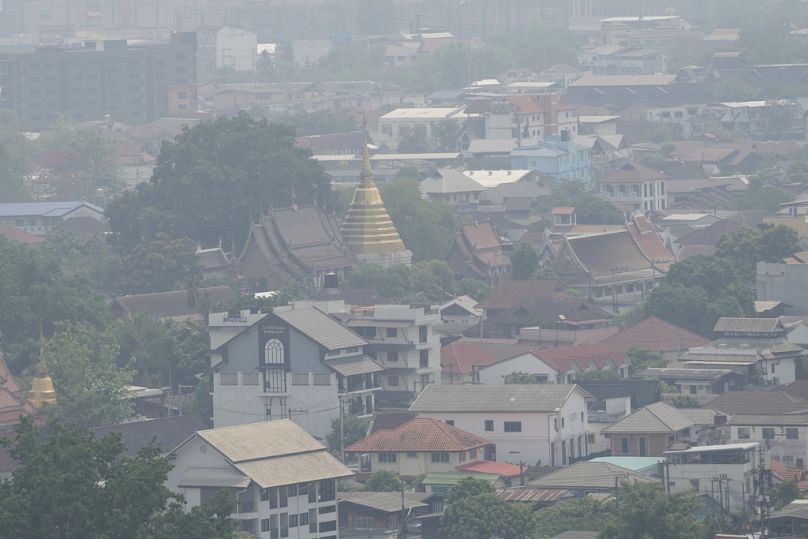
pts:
pixel 320 327
pixel 43 209
pixel 531 495
pixel 715 448
pixel 588 475
pixel 494 398
pixel 634 464
pixel 260 440
pixel 422 113
pixel 747 325
pixel 290 469
pixel 450 478
pixel 350 366
pixel 656 417
pixel 388 502
pixel 769 420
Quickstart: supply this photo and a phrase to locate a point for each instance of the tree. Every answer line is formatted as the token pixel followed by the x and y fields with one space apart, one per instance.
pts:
pixel 474 512
pixel 783 494
pixel 72 485
pixel 522 378
pixel 383 481
pixel 161 264
pixel 644 510
pixel 590 209
pixel 214 179
pixel 684 401
pixel 747 246
pixel 642 358
pixel 584 514
pixel 353 430
pixel 524 260
pixel 90 388
pixel 599 374
pixel 15 158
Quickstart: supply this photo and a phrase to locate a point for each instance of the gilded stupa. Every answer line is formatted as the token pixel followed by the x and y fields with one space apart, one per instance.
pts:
pixel 42 391
pixel 368 229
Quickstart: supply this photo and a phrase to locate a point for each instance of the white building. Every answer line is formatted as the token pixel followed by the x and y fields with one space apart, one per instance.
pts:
pixel 538 424
pixel 283 481
pixel 459 314
pixel 296 363
pixel 635 187
pixel 725 472
pixel 41 217
pixel 785 436
pixel 420 123
pixel 226 47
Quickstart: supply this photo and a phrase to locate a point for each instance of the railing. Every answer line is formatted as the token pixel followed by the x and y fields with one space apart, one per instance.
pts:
pixel 249 379
pixel 300 379
pixel 599 416
pixel 228 379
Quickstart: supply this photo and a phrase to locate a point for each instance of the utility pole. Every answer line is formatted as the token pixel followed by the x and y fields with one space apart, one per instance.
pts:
pixel 403 522
pixel 341 432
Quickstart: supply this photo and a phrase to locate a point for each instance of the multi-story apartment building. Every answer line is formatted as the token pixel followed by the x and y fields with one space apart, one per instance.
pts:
pixel 635 188
pixel 133 83
pixel 297 362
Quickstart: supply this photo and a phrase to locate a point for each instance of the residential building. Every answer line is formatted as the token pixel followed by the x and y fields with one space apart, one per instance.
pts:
pixel 701 241
pixel 668 31
pixel 177 305
pixel 296 362
pixel 656 335
pixel 404 341
pixel 782 435
pixel 536 424
pixel 164 433
pixel 588 477
pixel 284 482
pixel 367 228
pixel 696 381
pixel 462 358
pixel 791 519
pixel 293 246
pixel 420 446
pixel 635 187
pixel 690 119
pixel 132 82
pixel 766 120
pixel 604 125
pixel 760 402
pixel 422 125
pixel 729 470
pixel 478 251
pixel 785 281
pixel 39 218
pixel 364 512
pixel 458 315
pixel 557 157
pixel 616 60
pixel 529 118
pixel 225 47
pixel 652 429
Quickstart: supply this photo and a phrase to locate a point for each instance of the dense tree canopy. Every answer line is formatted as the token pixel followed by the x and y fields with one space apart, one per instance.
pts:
pixel 353 430
pixel 474 512
pixel 383 481
pixel 15 158
pixel 748 246
pixel 216 178
pixel 158 265
pixel 590 209
pixel 70 485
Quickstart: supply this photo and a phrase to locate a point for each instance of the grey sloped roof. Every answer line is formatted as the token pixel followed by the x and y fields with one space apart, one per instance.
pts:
pixel 493 398
pixel 767 420
pixel 388 502
pixel 166 432
pixel 449 180
pixel 320 327
pixel 657 417
pixel 747 325
pixel 588 475
pixel 349 366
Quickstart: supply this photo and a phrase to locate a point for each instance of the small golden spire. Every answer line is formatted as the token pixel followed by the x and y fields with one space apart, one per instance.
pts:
pixel 42 390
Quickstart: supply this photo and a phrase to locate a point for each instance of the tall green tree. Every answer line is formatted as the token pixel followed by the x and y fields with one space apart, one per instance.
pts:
pixel 158 265
pixel 748 246
pixel 214 179
pixel 383 481
pixel 90 388
pixel 524 260
pixel 474 512
pixel 353 430
pixel 71 485
pixel 584 514
pixel 15 158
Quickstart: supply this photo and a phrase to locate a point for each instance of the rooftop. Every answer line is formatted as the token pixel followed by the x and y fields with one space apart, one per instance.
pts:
pixel 43 209
pixel 320 327
pixel 424 113
pixel 498 398
pixel 387 502
pixel 491 467
pixel 727 324
pixel 422 434
pixel 657 335
pixel 589 475
pixel 632 173
pixel 656 417
pixel 623 80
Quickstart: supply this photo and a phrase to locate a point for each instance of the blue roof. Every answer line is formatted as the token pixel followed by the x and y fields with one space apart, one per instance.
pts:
pixel 635 464
pixel 43 209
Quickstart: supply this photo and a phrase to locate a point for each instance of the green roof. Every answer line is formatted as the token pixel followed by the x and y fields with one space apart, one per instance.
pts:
pixel 452 478
pixel 635 464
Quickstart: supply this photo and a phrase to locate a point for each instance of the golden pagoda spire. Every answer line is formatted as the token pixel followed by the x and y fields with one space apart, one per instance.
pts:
pixel 367 228
pixel 42 390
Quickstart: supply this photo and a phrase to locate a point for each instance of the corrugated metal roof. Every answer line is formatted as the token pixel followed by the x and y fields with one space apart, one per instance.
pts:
pixel 213 477
pixel 290 469
pixel 531 495
pixel 493 398
pixel 51 209
pixel 320 327
pixel 260 440
pixel 389 502
pixel 765 420
pixel 451 478
pixel 350 366
pixel 589 475
pixel 747 325
pixel 634 464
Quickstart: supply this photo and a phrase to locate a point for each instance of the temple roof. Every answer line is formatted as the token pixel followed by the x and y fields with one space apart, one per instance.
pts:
pixel 368 228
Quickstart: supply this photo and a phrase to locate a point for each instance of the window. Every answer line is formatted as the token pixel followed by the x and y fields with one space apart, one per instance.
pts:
pixel 283 497
pixel 768 433
pixel 441 456
pixel 489 425
pixel 392 356
pixel 792 433
pixel 772 368
pixel 328 526
pixel 327 490
pixel 312 492
pixel 284 525
pixel 450 422
pixel 392 381
pixel 412 454
pixel 694 389
pixel 462 456
pixel 264 524
pixel 273 498
pixel 516 426
pixel 391 333
pixel 624 445
pixel 273 526
pixel 273 352
pixel 744 433
pixel 473 453
pixel 312 520
pixel 424 359
pixel 264 494
pixel 303 488
pixel 422 333
pixel 364 523
pixel 293 521
pixel 643 447
pixel 387 457
pixel 304 519
pixel 368 333
pixel 292 490
pixel 327 509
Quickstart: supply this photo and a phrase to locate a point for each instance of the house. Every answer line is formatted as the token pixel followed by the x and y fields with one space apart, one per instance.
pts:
pixel 282 480
pixel 420 446
pixel 420 124
pixel 782 435
pixel 297 362
pixel 597 125
pixel 557 157
pixel 766 120
pixel 39 218
pixel 791 519
pixel 19 235
pixel 634 187
pixel 478 251
pixel 529 117
pixel 537 424
pixel 702 241
pixel 696 381
pixel 732 467
pixel 656 335
pixel 293 246
pixel 367 513
pixel 458 315
pixel 652 429
pixel 784 281
pixel 461 359
pixel 617 60
pixel 588 477
pixel 451 186
pixel 759 401
pixel 177 305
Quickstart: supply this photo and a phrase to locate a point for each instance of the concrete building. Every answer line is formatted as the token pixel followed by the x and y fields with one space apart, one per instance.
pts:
pixel 283 481
pixel 557 157
pixel 296 362
pixel 635 187
pixel 786 282
pixel 538 424
pixel 724 472
pixel 782 435
pixel 134 83
pixel 418 124
pixel 220 47
pixel 39 218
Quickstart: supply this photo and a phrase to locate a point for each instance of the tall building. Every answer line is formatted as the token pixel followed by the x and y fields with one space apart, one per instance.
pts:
pixel 132 82
pixel 368 229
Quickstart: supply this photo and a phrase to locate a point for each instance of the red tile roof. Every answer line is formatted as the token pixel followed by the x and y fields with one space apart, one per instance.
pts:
pixel 420 434
pixel 783 473
pixel 646 237
pixel 460 357
pixel 657 335
pixel 490 467
pixel 525 104
pixel 16 234
pixel 581 356
pixel 511 293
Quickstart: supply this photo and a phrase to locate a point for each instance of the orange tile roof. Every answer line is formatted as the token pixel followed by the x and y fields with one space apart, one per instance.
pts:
pixel 581 356
pixel 490 467
pixel 657 335
pixel 460 357
pixel 783 473
pixel 419 434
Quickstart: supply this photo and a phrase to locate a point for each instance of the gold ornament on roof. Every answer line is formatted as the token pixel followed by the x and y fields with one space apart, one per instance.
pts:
pixel 42 391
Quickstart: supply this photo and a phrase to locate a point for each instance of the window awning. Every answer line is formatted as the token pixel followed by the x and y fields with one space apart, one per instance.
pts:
pixel 351 366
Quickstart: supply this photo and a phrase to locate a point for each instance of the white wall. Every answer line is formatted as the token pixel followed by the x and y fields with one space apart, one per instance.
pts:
pixel 236 49
pixel 495 373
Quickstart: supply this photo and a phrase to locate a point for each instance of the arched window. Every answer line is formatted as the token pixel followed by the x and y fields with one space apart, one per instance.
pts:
pixel 273 352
